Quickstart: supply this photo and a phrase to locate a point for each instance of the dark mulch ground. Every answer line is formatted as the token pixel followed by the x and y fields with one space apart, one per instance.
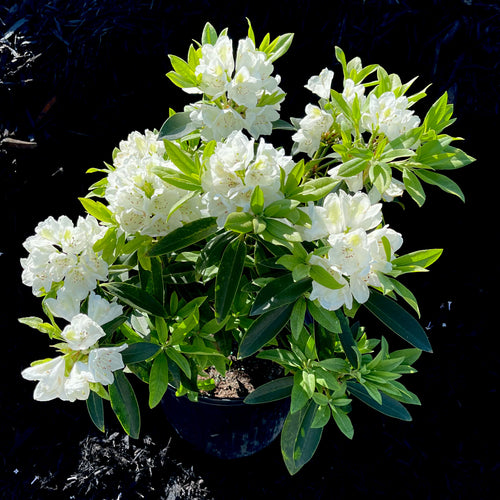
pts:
pixel 77 76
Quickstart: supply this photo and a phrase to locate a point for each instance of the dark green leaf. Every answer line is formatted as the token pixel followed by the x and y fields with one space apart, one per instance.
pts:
pixel 158 379
pixel 279 292
pixel 135 297
pixel 212 252
pixel 139 351
pixel 275 390
pixel 96 410
pixel 124 404
pixel 389 406
pixel 184 236
pixel 264 329
pixel 177 126
pixel 327 319
pixel 347 340
pixel 398 320
pixel 299 439
pixel 229 276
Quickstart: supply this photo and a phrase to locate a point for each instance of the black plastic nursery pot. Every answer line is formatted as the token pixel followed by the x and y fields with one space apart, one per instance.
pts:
pixel 225 428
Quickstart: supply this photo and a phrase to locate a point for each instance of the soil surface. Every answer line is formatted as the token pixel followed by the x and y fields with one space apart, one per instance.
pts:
pixel 243 377
pixel 76 76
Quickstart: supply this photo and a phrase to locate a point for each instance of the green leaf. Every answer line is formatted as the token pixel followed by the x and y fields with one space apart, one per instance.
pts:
pixel 389 406
pixel 184 236
pixel 322 416
pixel 140 351
pixel 335 365
pixel 97 209
pixel 327 319
pixel 179 360
pixel 323 277
pixel 299 439
pixel 211 253
pixel 180 159
pixel 347 340
pixel 353 167
pixel 263 330
pixel 314 189
pixel 420 258
pixel 405 294
pixel 135 297
pixel 96 410
pixel 343 422
pixel 124 404
pixel 442 182
pixel 279 46
pixel 275 390
pixel 297 317
pixel 239 222
pixel 228 278
pixel 398 320
pixel 439 115
pixel 158 379
pixel 177 126
pixel 40 325
pixel 414 187
pixel 257 200
pixel 279 292
pixel 209 35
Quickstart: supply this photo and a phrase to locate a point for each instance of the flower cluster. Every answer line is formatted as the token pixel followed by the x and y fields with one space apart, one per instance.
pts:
pixel 204 240
pixel 236 169
pixel 68 377
pixel 139 199
pixel 239 93
pixel 62 253
pixel 355 248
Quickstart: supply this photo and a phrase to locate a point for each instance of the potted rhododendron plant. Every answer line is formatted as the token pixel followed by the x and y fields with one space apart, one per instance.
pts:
pixel 205 242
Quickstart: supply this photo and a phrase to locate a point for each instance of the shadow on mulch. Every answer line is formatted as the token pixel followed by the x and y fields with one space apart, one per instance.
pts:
pixel 77 76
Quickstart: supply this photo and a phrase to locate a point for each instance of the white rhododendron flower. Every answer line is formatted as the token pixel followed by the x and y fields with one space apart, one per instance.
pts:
pixel 137 147
pixel 321 84
pixel 216 66
pixel 311 128
pixel 104 361
pixel 50 377
pixel 82 332
pixel 354 259
pixel 234 171
pixel 351 90
pixel 85 330
pixel 396 188
pixel 139 199
pixel 342 213
pixel 62 252
pixel 76 385
pixel 388 114
pixel 354 182
pixel 216 123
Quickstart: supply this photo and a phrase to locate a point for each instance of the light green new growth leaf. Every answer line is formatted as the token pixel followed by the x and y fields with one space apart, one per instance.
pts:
pixel 442 182
pixel 97 209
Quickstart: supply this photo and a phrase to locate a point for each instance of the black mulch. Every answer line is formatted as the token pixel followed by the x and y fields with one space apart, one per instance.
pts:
pixel 77 76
